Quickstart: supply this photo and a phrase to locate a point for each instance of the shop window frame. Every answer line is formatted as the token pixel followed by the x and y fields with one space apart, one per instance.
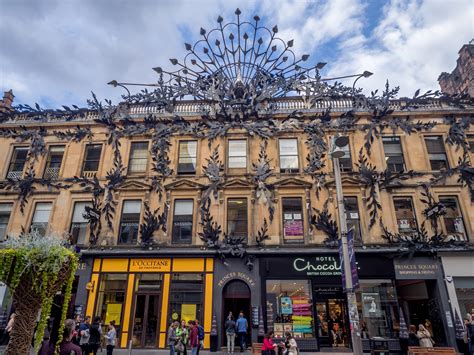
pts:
pixel 301 240
pixel 415 230
pixel 91 173
pixel 147 159
pixel 16 174
pixel 71 221
pixel 247 214
pixel 461 215
pixel 387 165
pixel 193 227
pixel 228 156
pixel 47 225
pixel 7 225
pixel 48 162
pixel 428 154
pixel 180 171
pixel 297 155
pixel 130 243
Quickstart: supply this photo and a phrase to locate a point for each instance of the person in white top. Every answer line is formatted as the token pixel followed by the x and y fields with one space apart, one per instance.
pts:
pixel 111 336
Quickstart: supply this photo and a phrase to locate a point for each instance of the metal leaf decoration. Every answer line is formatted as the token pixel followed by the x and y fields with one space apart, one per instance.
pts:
pixel 264 191
pixel 211 230
pixel 262 234
pixel 76 136
pixel 324 222
pixel 214 172
pixel 152 221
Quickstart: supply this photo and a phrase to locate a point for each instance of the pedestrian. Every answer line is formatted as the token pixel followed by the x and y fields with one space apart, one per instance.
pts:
pixel 171 337
pixel 429 327
pixel 268 347
pixel 182 334
pixel 230 333
pixel 84 334
pixel 425 337
pixel 77 337
pixel 200 330
pixel 110 337
pixel 290 345
pixel 67 347
pixel 412 337
pixel 242 327
pixel 469 325
pixel 95 334
pixel 193 337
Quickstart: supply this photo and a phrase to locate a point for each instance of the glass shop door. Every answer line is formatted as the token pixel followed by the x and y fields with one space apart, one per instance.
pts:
pixel 333 324
pixel 146 320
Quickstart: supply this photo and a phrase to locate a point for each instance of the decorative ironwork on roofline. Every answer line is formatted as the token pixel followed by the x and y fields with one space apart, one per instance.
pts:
pixel 238 69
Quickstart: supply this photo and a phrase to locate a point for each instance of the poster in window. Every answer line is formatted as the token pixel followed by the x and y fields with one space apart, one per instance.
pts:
pixel 371 305
pixel 114 312
pixel 188 312
pixel 286 305
pixel 293 228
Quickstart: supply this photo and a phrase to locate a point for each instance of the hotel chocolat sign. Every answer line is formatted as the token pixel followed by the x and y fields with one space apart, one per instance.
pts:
pixel 416 268
pixel 318 266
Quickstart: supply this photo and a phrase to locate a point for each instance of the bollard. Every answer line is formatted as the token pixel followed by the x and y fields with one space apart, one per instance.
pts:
pixel 130 347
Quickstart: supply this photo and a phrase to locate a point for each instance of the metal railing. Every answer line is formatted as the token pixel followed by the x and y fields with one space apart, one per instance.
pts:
pixel 89 174
pixel 284 105
pixel 15 174
pixel 51 173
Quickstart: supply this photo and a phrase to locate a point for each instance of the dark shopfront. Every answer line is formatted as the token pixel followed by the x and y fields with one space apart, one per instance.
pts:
pixel 423 296
pixel 303 295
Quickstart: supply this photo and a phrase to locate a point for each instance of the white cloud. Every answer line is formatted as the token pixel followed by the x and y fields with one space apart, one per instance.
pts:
pixel 61 50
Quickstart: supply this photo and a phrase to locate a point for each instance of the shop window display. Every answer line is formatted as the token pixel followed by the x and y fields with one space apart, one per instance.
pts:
pixel 289 308
pixel 186 297
pixel 378 308
pixel 111 298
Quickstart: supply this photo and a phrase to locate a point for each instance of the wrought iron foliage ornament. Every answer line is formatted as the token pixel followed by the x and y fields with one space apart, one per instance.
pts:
pixel 264 191
pixel 262 234
pixel 214 172
pixel 324 222
pixel 25 186
pixel 76 135
pixel 152 221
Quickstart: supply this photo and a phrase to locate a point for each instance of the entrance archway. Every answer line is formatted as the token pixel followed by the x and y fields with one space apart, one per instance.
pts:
pixel 236 299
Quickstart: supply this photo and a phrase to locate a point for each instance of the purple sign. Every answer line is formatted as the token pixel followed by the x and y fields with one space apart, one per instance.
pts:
pixel 352 260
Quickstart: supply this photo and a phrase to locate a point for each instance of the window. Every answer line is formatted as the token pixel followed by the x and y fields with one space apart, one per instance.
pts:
pixel 129 223
pixel 237 154
pixel 186 290
pixel 290 307
pixel 138 158
pixel 187 157
pixel 345 163
pixel 293 231
pixel 53 164
pixel 41 217
pixel 352 216
pixel 79 224
pixel 91 160
pixel 17 163
pixel 453 221
pixel 406 220
pixel 436 152
pixel 111 299
pixel 378 308
pixel 183 221
pixel 237 217
pixel 289 155
pixel 470 141
pixel 5 211
pixel 393 153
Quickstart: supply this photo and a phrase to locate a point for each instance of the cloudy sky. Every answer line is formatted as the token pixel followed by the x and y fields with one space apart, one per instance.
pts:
pixel 55 52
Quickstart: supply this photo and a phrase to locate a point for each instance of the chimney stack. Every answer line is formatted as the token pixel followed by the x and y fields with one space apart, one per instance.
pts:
pixel 7 101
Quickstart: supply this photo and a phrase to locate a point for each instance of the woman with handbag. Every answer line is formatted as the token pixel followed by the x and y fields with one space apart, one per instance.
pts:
pixel 425 337
pixel 182 335
pixel 268 347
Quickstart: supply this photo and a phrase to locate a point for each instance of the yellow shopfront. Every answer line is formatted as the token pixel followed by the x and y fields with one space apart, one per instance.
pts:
pixel 143 295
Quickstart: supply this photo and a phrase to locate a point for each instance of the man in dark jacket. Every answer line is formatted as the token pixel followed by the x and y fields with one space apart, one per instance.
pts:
pixel 193 337
pixel 200 331
pixel 95 332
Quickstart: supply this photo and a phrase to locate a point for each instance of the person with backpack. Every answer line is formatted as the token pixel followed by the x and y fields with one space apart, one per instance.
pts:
pixel 200 331
pixel 193 337
pixel 95 335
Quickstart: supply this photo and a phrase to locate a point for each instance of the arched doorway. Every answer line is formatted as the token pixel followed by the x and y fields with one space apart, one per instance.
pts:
pixel 236 299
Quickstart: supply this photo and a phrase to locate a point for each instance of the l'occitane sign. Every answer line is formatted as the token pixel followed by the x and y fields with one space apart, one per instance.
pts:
pixel 150 265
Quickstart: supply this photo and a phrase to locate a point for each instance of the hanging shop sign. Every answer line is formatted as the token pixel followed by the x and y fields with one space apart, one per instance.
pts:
pixel 416 268
pixel 150 265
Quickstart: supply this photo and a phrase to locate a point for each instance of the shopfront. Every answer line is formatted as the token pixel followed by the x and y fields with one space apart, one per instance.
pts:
pixel 459 279
pixel 423 296
pixel 304 295
pixel 144 295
